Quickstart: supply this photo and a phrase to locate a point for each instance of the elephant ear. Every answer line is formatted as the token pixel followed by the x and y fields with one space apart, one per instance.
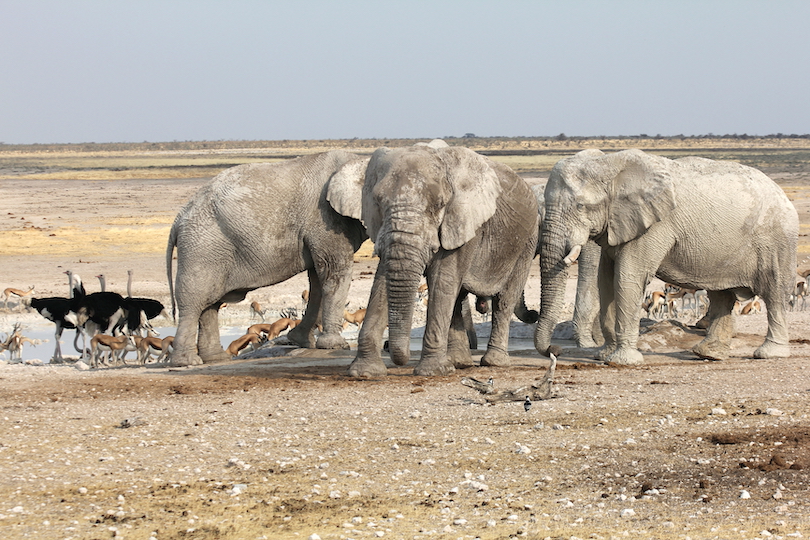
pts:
pixel 345 190
pixel 643 193
pixel 371 213
pixel 475 190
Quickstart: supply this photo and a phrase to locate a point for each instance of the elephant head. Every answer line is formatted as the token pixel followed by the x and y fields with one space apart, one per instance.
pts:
pixel 417 201
pixel 610 198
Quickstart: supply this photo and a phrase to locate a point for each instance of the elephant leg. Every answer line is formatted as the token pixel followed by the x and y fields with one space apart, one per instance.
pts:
pixel 628 286
pixel 443 296
pixel 587 331
pixel 335 280
pixel 607 308
pixel 185 339
pixel 458 342
pixel 303 335
pixel 717 343
pixel 469 325
pixel 503 305
pixel 368 362
pixel 777 340
pixel 208 340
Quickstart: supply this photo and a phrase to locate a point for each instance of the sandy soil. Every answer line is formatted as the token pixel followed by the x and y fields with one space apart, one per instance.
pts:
pixel 290 447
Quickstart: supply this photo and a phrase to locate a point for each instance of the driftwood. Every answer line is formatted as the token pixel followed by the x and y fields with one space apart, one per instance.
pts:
pixel 537 391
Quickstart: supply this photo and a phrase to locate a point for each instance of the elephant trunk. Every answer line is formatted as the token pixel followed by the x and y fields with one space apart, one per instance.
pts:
pixel 553 276
pixel 405 268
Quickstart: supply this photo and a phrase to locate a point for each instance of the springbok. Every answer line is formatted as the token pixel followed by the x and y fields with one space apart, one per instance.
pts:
pixel 256 309
pixel 11 291
pixel 248 340
pixel 270 331
pixel 116 346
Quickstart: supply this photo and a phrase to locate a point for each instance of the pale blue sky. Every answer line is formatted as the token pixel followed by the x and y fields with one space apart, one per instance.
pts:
pixel 118 71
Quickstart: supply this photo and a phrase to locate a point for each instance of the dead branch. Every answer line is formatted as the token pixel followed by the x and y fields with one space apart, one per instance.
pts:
pixel 537 391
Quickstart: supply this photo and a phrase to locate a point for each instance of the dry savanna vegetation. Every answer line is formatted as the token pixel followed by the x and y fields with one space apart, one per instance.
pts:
pixel 282 444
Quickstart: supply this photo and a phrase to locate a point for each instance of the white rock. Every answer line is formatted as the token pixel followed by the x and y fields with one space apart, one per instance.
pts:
pixel 82 491
pixel 778 494
pixel 313 536
pixel 771 411
pixel 628 513
pixel 81 366
pixel 491 523
pixel 521 449
pixel 718 411
pixel 745 495
pixel 460 521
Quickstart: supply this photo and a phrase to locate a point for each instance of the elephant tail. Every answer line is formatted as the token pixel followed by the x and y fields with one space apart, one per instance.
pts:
pixel 169 255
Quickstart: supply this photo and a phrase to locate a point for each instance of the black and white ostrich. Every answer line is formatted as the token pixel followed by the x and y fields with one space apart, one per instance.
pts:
pixel 100 312
pixel 56 309
pixel 141 310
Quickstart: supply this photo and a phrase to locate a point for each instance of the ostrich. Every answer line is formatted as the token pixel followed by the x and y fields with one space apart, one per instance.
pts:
pixel 141 310
pixel 56 310
pixel 100 311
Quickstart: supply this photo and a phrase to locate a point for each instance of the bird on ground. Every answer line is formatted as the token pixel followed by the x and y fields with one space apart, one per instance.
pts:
pixel 491 382
pixel 527 404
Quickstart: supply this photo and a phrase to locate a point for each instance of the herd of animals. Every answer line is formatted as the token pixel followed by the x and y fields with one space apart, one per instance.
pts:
pixel 718 233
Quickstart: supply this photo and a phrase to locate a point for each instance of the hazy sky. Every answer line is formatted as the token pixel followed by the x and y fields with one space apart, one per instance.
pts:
pixel 117 71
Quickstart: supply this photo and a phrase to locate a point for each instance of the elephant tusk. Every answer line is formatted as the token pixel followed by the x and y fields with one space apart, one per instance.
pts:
pixel 572 255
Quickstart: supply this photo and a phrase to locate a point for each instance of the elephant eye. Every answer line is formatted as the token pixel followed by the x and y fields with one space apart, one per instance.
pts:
pixel 580 206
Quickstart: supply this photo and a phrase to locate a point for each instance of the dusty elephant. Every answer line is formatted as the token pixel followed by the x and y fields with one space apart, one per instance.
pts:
pixel 587 330
pixel 468 224
pixel 253 226
pixel 692 222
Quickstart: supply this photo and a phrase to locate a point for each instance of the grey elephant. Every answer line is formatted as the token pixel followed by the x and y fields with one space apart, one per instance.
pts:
pixel 468 224
pixel 587 330
pixel 257 225
pixel 692 222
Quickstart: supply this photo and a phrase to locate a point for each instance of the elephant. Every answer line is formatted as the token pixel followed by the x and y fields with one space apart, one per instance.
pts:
pixel 257 225
pixel 466 223
pixel 692 222
pixel 587 330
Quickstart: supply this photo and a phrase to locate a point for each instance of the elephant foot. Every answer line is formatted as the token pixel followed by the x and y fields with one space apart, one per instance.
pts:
pixel 214 356
pixel 433 367
pixel 496 358
pixel 771 349
pixel 302 338
pixel 586 343
pixel 712 350
pixel 461 358
pixel 625 356
pixel 185 358
pixel 604 352
pixel 366 368
pixel 331 341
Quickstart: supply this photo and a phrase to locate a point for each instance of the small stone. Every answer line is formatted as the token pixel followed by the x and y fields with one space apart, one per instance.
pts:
pixel 771 411
pixel 82 491
pixel 745 495
pixel 628 513
pixel 459 521
pixel 491 523
pixel 81 366
pixel 313 536
pixel 778 494
pixel 718 411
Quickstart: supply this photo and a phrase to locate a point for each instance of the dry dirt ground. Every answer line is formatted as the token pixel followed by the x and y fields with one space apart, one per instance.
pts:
pixel 290 447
